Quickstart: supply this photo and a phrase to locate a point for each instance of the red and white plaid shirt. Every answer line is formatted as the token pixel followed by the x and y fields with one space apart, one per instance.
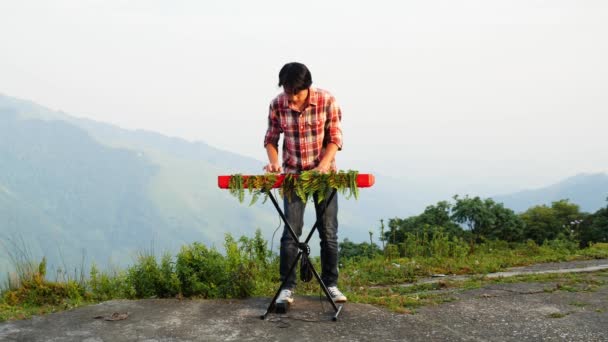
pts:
pixel 306 133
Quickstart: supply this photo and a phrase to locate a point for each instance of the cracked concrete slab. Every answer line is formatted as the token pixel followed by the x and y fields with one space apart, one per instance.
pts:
pixel 497 312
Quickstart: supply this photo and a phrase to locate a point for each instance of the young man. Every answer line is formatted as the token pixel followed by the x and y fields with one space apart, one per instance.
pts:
pixel 309 120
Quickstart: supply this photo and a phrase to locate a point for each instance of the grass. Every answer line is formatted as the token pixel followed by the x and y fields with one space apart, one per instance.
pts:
pixel 408 299
pixel 247 269
pixel 557 315
pixel 579 304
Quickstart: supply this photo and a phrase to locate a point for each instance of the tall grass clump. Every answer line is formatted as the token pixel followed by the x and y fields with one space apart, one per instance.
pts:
pixel 433 244
pixel 148 278
pixel 200 270
pixel 109 285
pixel 241 273
pixel 35 290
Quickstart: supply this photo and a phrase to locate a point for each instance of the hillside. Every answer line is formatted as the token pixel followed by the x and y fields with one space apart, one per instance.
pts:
pixel 590 191
pixel 65 194
pixel 71 187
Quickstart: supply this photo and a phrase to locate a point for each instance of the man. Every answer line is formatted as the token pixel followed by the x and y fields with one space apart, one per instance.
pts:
pixel 309 120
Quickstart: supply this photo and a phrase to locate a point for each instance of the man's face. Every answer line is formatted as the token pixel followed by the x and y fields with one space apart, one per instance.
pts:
pixel 296 97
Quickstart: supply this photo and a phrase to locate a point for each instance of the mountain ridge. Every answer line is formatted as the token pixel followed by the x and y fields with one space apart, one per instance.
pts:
pixel 72 183
pixel 588 190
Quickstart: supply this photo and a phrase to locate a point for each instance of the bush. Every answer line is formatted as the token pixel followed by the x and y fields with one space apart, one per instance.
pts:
pixel 241 273
pixel 240 268
pixel 149 279
pixel 437 244
pixel 36 290
pixel 200 270
pixel 349 249
pixel 104 286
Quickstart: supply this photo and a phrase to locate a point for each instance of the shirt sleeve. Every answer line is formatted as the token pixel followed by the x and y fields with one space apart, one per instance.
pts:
pixel 334 126
pixel 274 128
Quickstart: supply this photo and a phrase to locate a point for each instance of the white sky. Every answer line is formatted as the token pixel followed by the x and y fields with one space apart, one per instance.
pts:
pixel 481 95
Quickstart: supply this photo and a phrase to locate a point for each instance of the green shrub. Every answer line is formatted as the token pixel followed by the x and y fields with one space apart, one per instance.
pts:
pixel 149 279
pixel 36 290
pixel 201 271
pixel 437 244
pixel 105 286
pixel 241 268
pixel 596 250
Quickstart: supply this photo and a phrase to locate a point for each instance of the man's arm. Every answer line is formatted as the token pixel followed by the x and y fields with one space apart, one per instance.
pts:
pixel 325 163
pixel 271 140
pixel 333 129
pixel 273 159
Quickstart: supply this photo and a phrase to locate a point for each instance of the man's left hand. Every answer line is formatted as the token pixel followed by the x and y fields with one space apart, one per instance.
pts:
pixel 322 168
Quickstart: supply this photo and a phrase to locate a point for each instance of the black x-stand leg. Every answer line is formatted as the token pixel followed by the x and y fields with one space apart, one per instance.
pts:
pixel 304 248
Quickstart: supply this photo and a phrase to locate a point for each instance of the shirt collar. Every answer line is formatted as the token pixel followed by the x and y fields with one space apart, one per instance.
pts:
pixel 313 98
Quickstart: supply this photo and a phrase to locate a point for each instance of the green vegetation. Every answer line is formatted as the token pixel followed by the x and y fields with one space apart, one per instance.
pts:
pixel 485 220
pixel 305 185
pixel 414 248
pixel 406 299
pixel 557 315
pixel 88 184
pixel 247 269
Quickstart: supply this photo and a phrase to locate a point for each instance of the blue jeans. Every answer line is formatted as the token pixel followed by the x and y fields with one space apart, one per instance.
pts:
pixel 328 233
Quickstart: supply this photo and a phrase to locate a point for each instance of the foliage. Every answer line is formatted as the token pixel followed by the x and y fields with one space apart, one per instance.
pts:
pixel 549 223
pixel 107 285
pixel 436 244
pixel 200 270
pixel 349 249
pixel 596 250
pixel 150 279
pixel 488 219
pixel 36 290
pixel 241 273
pixel 433 217
pixel 594 228
pixel 257 185
pixel 304 185
pixel 247 269
pixel 240 270
pixel 407 299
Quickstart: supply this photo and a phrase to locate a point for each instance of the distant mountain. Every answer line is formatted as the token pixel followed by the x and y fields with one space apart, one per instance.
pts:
pixel 72 187
pixel 589 191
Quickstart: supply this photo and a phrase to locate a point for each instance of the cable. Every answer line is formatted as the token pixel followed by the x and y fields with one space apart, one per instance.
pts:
pixel 282 320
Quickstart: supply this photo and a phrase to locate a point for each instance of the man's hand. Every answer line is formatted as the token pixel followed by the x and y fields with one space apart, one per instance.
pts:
pixel 325 163
pixel 273 165
pixel 273 168
pixel 322 167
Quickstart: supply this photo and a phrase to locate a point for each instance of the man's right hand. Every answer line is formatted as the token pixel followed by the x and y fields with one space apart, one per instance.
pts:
pixel 273 168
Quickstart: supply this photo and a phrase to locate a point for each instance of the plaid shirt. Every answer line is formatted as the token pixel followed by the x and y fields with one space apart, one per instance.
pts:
pixel 306 133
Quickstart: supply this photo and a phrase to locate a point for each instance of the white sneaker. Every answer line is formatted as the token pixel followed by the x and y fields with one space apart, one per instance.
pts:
pixel 336 295
pixel 286 296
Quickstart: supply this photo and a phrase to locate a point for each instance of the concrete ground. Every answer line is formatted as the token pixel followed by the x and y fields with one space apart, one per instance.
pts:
pixel 499 312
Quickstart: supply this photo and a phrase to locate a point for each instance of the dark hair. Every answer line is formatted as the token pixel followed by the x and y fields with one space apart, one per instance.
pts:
pixel 295 77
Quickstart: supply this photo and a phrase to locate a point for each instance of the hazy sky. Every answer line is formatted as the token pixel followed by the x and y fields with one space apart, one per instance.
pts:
pixel 471 95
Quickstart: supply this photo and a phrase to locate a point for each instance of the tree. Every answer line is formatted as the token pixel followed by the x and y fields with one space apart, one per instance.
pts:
pixel 349 249
pixel 548 223
pixel 473 213
pixel 594 228
pixel 439 215
pixel 487 219
pixel 506 225
pixel 382 237
pixel 435 217
pixel 540 224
